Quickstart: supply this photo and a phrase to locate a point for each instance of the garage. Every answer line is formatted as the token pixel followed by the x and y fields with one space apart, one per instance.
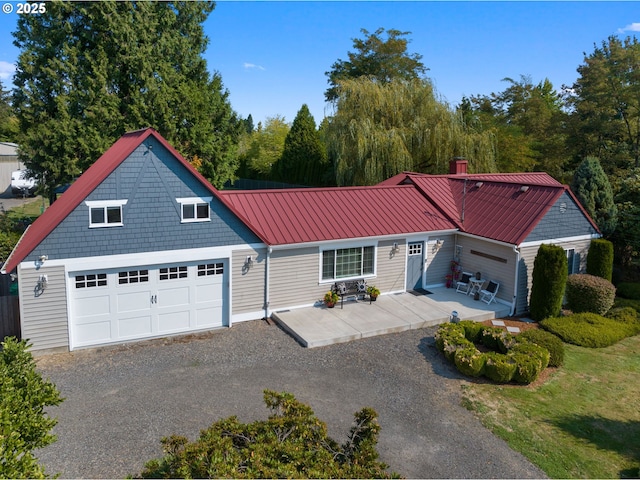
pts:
pixel 114 305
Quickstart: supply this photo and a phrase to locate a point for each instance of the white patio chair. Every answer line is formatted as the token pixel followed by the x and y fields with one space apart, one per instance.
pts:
pixel 463 285
pixel 488 295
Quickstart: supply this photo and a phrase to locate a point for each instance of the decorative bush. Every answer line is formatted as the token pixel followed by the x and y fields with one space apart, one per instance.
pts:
pixel 497 339
pixel 624 315
pixel 469 360
pixel 589 329
pixel 588 293
pixel 600 259
pixel 548 340
pixel 626 302
pixel 549 279
pixel 629 290
pixel 522 361
pixel 499 367
pixel 472 330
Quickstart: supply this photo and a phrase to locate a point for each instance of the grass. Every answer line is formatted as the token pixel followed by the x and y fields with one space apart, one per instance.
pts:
pixel 583 422
pixel 30 210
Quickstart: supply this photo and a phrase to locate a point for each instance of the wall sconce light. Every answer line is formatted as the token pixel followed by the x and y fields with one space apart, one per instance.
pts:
pixel 395 247
pixel 439 243
pixel 43 282
pixel 479 184
pixel 524 188
pixel 43 258
pixel 248 263
pixel 13 276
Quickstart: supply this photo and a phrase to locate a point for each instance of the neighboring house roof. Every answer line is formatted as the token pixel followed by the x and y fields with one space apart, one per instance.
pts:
pixel 316 214
pixel 86 183
pixel 492 205
pixel 8 149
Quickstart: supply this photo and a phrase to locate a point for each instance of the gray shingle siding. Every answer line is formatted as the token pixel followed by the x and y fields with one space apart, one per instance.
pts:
pixel 564 219
pixel 150 181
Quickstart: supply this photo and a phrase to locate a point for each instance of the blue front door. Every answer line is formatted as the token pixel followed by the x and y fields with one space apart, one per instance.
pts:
pixel 415 262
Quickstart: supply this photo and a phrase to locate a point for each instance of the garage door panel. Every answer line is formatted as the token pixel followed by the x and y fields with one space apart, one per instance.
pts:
pixel 93 333
pixel 209 317
pixel 174 322
pixel 137 326
pixel 93 306
pixel 172 297
pixel 207 293
pixel 134 301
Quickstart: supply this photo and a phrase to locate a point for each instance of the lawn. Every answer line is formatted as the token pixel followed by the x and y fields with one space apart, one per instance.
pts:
pixel 583 422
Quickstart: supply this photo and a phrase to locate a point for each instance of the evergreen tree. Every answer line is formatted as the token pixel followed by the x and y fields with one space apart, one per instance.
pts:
pixel 591 186
pixel 304 158
pixel 8 121
pixel 549 280
pixel 90 71
pixel 382 60
pixel 379 130
pixel 264 149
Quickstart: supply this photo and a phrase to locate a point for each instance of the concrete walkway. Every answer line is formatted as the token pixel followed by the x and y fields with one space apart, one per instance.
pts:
pixel 319 326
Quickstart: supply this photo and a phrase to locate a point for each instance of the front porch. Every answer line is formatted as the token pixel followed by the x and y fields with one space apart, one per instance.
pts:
pixel 320 326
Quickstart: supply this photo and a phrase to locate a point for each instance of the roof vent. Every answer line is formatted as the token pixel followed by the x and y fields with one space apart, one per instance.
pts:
pixel 524 188
pixel 479 184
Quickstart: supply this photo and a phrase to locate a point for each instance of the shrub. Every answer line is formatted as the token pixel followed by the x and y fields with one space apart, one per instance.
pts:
pixel 600 259
pixel 627 315
pixel 625 302
pixel 548 340
pixel 469 360
pixel 589 329
pixel 449 338
pixel 530 360
pixel 588 293
pixel 497 339
pixel 499 367
pixel 472 330
pixel 629 290
pixel 549 279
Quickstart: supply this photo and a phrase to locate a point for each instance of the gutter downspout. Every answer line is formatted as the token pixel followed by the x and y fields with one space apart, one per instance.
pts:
pixel 516 250
pixel 267 312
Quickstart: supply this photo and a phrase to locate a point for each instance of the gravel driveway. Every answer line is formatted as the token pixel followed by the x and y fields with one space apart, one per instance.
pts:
pixel 119 401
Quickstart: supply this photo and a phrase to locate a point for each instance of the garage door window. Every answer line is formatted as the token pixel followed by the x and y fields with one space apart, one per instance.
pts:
pixel 133 276
pixel 91 280
pixel 210 269
pixel 172 273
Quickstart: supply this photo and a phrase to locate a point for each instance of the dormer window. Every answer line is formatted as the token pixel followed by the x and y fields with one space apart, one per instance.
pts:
pixel 105 213
pixel 194 209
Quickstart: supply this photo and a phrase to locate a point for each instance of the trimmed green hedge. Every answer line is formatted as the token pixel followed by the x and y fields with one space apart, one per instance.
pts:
pixel 590 330
pixel 520 360
pixel 549 341
pixel 600 258
pixel 588 293
pixel 629 290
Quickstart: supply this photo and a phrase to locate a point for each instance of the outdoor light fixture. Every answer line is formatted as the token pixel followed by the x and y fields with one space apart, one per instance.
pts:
pixel 395 247
pixel 454 317
pixel 43 258
pixel 43 282
pixel 248 263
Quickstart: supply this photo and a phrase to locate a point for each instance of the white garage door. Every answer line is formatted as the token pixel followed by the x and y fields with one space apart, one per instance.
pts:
pixel 148 301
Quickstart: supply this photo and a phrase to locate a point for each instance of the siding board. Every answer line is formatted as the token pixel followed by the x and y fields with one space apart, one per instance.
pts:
pixel 248 285
pixel 439 260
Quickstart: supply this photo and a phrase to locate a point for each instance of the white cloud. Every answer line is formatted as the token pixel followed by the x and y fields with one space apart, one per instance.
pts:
pixel 6 70
pixel 253 66
pixel 632 27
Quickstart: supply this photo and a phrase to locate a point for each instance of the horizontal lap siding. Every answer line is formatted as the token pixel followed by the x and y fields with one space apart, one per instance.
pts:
pixel 44 318
pixel 439 259
pixel 248 284
pixel 390 271
pixel 491 269
pixel 294 278
pixel 528 257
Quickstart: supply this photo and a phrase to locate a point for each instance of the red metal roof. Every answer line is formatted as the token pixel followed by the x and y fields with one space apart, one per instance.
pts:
pixel 315 214
pixel 85 184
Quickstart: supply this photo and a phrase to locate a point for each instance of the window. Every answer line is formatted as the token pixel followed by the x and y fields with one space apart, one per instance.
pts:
pixel 133 276
pixel 210 269
pixel 194 209
pixel 415 248
pixel 105 213
pixel 91 280
pixel 573 261
pixel 347 262
pixel 172 273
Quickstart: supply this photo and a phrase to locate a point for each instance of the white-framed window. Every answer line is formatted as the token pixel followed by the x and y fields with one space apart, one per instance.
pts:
pixel 172 273
pixel 91 280
pixel 105 213
pixel 573 261
pixel 194 209
pixel 133 276
pixel 415 248
pixel 207 269
pixel 348 262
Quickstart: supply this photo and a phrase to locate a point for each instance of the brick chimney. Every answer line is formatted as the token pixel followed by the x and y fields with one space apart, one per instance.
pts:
pixel 458 166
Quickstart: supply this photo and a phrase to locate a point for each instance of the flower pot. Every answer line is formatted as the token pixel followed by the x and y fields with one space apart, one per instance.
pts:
pixel 330 305
pixel 373 297
pixel 478 275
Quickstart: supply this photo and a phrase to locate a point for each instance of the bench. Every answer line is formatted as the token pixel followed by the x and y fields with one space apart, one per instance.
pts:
pixel 351 288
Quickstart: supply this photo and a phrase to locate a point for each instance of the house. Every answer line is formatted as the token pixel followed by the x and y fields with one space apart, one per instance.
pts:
pixel 142 246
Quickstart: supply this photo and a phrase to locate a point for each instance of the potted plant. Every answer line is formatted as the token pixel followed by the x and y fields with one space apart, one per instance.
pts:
pixel 331 298
pixel 373 292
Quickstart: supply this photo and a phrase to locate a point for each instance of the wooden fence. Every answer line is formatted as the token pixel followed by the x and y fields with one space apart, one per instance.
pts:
pixel 9 317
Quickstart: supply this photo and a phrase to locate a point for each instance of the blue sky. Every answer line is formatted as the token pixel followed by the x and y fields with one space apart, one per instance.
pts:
pixel 273 55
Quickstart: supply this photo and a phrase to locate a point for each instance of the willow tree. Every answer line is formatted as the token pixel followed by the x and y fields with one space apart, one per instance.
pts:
pixel 379 130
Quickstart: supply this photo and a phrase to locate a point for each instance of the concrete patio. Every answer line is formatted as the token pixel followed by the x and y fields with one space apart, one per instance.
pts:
pixel 319 326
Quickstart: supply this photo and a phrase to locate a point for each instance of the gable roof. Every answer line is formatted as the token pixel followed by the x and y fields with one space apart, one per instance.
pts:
pixel 88 182
pixel 318 214
pixel 492 205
